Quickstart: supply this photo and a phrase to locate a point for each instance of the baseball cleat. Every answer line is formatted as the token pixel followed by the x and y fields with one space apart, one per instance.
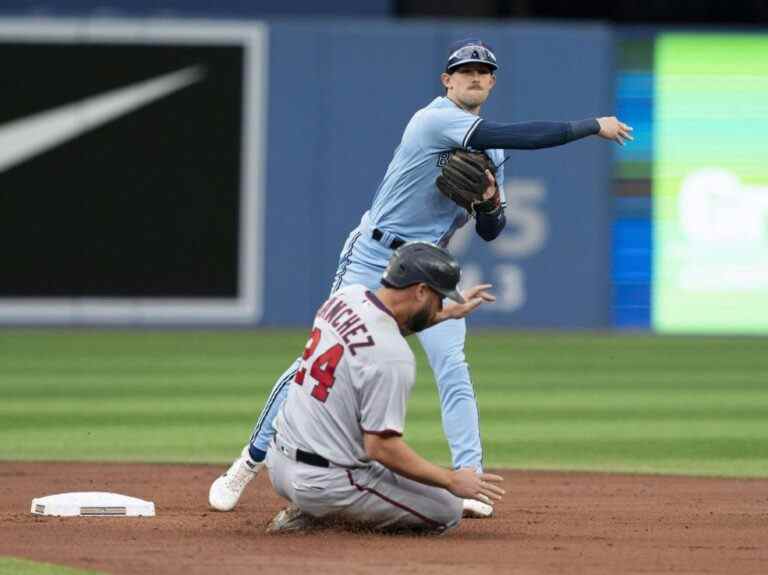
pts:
pixel 474 509
pixel 289 519
pixel 225 492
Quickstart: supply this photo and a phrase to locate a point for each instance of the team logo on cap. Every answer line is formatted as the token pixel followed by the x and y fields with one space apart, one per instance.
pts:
pixel 472 53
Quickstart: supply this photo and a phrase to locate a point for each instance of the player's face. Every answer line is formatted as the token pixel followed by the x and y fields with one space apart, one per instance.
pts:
pixel 469 85
pixel 429 303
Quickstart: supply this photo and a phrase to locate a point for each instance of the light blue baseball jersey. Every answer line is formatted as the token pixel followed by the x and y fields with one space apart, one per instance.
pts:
pixel 408 206
pixel 407 203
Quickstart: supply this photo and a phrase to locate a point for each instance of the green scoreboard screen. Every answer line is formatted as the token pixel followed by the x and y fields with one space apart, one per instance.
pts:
pixel 710 184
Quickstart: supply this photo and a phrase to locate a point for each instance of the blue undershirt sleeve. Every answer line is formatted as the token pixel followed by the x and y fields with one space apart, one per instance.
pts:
pixel 530 135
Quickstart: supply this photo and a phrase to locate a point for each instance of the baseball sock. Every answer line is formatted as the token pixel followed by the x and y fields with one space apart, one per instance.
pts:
pixel 257 455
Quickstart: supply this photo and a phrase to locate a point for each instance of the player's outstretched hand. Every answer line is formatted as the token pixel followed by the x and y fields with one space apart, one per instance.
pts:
pixel 613 129
pixel 474 296
pixel 468 484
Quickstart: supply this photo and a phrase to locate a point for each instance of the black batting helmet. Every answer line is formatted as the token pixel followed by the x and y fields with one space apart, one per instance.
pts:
pixel 423 262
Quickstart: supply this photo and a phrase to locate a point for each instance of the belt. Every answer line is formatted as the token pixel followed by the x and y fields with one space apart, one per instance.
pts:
pixel 395 243
pixel 302 456
pixel 311 459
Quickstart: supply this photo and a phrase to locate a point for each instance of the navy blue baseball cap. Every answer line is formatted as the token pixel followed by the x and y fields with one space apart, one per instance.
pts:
pixel 468 51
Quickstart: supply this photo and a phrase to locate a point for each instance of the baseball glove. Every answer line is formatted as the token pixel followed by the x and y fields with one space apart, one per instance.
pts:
pixel 464 181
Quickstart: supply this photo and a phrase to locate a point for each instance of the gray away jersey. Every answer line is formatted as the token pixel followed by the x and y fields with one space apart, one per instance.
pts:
pixel 407 202
pixel 356 375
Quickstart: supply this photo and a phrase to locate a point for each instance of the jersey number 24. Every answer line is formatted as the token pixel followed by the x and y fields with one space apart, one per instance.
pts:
pixel 323 367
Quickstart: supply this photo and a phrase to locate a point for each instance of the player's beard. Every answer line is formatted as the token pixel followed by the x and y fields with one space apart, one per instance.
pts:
pixel 421 320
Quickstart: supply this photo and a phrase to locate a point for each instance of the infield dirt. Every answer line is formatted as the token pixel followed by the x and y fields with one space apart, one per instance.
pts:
pixel 549 523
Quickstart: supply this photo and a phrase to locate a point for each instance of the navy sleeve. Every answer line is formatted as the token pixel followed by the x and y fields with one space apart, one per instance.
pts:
pixel 530 135
pixel 489 225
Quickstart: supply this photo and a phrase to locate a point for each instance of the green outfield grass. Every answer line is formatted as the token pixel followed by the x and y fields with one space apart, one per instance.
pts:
pixel 547 400
pixel 12 566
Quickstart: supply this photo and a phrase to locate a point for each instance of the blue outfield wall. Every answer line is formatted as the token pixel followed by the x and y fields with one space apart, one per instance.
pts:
pixel 339 97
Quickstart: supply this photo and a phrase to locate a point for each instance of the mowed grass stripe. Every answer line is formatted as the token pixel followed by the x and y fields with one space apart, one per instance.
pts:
pixel 545 428
pixel 253 381
pixel 529 411
pixel 547 400
pixel 14 566
pixel 721 456
pixel 421 399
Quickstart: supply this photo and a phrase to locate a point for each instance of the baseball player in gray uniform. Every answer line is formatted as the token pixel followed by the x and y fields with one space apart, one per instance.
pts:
pixel 338 449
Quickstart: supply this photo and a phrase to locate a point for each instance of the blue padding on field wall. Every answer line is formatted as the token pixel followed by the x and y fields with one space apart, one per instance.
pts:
pixel 632 271
pixel 339 97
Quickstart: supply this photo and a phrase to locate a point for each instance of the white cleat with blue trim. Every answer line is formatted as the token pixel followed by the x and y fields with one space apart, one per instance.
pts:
pixel 226 491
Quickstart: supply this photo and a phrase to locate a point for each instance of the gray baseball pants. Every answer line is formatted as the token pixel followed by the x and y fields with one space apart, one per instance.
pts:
pixel 372 496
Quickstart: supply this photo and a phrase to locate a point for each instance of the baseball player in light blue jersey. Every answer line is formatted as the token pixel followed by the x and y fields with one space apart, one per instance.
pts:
pixel 407 206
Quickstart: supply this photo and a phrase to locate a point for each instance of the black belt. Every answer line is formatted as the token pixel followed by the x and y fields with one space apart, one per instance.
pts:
pixel 394 244
pixel 311 459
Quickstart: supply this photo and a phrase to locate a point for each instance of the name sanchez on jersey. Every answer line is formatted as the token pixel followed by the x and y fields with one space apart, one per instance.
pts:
pixel 346 323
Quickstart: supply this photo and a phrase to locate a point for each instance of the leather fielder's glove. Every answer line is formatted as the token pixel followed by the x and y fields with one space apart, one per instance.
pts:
pixel 464 181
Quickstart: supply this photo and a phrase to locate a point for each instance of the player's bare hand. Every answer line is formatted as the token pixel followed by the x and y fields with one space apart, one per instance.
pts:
pixel 479 292
pixel 474 296
pixel 613 129
pixel 491 189
pixel 468 484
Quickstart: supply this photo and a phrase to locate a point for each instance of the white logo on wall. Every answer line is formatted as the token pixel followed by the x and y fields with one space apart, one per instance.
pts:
pixel 525 235
pixel 724 223
pixel 27 137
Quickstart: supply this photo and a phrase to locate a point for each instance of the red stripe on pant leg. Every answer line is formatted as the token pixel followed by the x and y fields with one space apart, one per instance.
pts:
pixel 427 520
